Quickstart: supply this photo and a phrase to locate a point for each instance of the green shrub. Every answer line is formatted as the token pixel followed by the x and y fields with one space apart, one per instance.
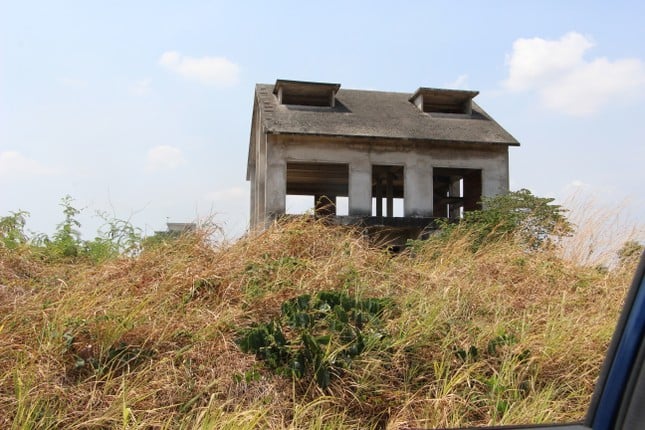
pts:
pixel 317 338
pixel 116 237
pixel 12 229
pixel 533 220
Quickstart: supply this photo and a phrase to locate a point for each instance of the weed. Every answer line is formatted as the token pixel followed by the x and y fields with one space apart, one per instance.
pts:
pixel 504 335
pixel 12 230
pixel 325 335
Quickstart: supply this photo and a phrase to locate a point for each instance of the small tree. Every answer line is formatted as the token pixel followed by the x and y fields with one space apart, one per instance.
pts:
pixel 533 220
pixel 66 241
pixel 12 229
pixel 67 238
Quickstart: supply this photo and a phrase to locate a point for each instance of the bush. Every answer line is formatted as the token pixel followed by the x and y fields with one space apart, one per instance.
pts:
pixel 535 221
pixel 12 229
pixel 324 335
pixel 116 237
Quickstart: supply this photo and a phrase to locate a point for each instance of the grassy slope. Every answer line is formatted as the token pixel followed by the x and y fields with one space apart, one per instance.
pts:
pixel 149 342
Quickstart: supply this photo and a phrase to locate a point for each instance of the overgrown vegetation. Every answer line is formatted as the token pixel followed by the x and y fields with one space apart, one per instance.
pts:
pixel 116 237
pixel 534 221
pixel 481 324
pixel 324 336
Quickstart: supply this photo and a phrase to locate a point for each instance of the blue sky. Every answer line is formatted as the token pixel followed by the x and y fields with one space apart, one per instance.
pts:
pixel 143 108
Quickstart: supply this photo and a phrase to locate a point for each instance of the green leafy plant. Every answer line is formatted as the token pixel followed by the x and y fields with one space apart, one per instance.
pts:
pixel 67 239
pixel 12 229
pixel 317 337
pixel 116 237
pixel 535 221
pixel 66 242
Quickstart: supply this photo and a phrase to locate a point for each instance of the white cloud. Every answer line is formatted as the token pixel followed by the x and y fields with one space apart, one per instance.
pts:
pixel 535 61
pixel 142 87
pixel 217 71
pixel 164 157
pixel 459 83
pixel 15 165
pixel 567 82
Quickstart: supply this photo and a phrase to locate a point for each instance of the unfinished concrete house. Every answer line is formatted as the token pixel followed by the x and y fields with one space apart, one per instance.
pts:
pixel 397 160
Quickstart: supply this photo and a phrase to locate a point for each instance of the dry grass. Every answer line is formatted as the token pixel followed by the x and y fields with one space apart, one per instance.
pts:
pixel 600 230
pixel 148 342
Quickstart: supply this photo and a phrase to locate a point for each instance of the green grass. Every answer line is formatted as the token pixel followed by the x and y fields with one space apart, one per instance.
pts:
pixel 492 335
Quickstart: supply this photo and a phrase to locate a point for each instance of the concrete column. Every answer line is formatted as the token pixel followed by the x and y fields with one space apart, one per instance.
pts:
pixel 417 189
pixel 360 188
pixel 260 173
pixel 454 191
pixel 379 197
pixel 494 182
pixel 389 194
pixel 253 220
pixel 276 183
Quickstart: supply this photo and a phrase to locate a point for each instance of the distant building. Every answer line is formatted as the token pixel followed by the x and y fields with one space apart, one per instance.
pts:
pixel 176 229
pixel 434 152
pixel 181 227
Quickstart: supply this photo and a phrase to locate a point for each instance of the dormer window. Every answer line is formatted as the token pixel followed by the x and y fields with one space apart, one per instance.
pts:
pixel 305 93
pixel 435 100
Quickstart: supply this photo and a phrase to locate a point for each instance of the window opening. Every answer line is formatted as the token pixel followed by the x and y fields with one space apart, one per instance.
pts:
pixel 456 191
pixel 315 188
pixel 305 93
pixel 437 100
pixel 387 191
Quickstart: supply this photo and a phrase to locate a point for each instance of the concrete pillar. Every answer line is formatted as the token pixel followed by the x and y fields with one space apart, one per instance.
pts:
pixel 389 194
pixel 276 184
pixel 360 188
pixel 379 197
pixel 454 191
pixel 494 182
pixel 260 173
pixel 417 189
pixel 252 198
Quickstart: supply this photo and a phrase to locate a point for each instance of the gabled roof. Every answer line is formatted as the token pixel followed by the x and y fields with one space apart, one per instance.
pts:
pixel 379 114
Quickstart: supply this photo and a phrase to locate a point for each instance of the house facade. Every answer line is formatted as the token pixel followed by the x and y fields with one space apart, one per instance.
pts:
pixel 399 159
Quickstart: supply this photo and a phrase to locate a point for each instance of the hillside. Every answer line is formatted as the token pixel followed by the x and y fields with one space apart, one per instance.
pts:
pixel 493 335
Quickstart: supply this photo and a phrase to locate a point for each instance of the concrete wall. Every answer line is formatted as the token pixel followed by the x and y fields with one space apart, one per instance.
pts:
pixel 273 152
